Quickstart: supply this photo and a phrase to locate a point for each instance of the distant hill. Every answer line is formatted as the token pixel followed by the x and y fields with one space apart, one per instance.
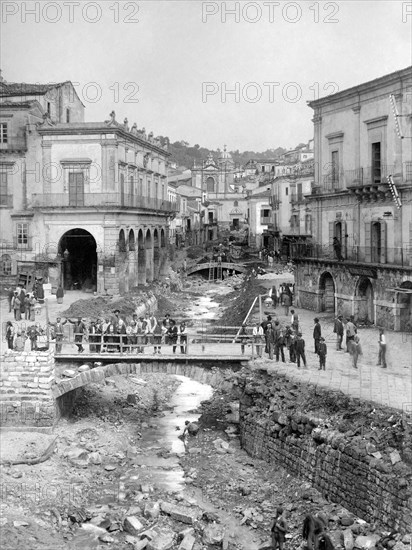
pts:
pixel 185 155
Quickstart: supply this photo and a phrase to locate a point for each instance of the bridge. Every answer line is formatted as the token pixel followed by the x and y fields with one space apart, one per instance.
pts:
pixel 38 387
pixel 217 267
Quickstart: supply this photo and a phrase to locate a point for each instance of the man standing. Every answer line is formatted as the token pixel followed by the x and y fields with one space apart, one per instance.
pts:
pixel 337 247
pixel 79 329
pixel 317 333
pixel 338 330
pixel 58 333
pixel 278 529
pixel 270 338
pixel 351 331
pixel 322 352
pixel 300 349
pixel 382 349
pixel 279 342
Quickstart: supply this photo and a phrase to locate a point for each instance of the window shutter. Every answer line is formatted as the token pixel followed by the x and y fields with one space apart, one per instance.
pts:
pixel 383 243
pixel 331 235
pixel 368 242
pixel 344 240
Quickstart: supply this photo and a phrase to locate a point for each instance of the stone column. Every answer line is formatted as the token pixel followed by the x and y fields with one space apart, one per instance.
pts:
pixel 156 262
pixel 141 265
pixel 149 264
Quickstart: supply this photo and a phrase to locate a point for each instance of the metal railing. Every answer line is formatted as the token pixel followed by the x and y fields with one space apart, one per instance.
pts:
pixel 102 200
pixel 397 256
pixel 23 243
pixel 369 175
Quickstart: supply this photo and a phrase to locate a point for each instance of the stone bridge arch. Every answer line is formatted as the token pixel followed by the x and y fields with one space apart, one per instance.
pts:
pixel 217 377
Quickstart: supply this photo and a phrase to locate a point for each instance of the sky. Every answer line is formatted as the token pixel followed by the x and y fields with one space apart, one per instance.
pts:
pixel 209 73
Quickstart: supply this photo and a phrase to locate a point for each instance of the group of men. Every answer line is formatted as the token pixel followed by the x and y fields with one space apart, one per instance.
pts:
pixel 116 334
pixel 271 336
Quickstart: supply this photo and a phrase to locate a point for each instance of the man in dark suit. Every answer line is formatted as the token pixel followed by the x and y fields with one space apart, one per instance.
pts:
pixel 338 330
pixel 317 333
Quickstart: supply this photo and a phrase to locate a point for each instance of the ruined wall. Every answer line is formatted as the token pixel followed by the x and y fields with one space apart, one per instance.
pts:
pixel 353 470
pixel 25 389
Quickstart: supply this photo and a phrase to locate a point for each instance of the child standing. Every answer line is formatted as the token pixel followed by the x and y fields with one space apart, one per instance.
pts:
pixel 322 352
pixel 278 529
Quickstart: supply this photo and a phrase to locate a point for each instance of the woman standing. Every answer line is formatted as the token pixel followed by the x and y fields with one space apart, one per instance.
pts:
pixel 9 334
pixel 16 307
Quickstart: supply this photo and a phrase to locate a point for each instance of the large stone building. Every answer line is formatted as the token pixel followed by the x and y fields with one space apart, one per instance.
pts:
pixel 359 152
pixel 223 195
pixel 84 203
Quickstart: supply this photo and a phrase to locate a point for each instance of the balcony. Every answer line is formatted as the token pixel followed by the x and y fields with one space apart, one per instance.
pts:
pixel 14 144
pixel 333 181
pixel 6 200
pixel 369 176
pixel 103 201
pixel 265 220
pixel 371 255
pixel 297 198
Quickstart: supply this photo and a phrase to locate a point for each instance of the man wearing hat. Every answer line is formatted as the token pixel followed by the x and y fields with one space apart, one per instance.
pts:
pixel 338 330
pixel 317 333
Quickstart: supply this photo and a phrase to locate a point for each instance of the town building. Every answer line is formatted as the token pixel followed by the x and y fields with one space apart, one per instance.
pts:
pixel 84 203
pixel 360 259
pixel 223 196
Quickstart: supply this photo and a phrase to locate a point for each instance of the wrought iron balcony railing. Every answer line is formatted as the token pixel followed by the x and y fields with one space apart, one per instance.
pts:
pixel 396 256
pixel 369 176
pixel 101 200
pixel 23 242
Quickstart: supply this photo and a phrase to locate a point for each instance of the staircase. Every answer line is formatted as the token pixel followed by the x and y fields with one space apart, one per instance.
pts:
pixel 211 271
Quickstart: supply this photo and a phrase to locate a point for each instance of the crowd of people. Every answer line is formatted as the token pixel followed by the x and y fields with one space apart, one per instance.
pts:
pixel 285 342
pixel 115 334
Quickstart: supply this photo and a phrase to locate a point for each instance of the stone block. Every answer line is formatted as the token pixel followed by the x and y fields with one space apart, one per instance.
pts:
pixel 187 543
pixel 133 525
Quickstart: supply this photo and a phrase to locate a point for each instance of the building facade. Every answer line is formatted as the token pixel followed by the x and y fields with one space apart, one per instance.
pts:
pixel 84 203
pixel 360 258
pixel 223 196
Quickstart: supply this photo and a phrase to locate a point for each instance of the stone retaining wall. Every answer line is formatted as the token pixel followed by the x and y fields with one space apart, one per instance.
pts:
pixel 340 466
pixel 25 389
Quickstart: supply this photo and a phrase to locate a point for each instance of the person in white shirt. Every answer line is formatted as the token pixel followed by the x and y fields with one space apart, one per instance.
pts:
pixel 382 349
pixel 259 338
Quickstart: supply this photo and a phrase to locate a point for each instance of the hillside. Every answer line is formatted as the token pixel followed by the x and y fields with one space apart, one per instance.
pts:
pixel 185 155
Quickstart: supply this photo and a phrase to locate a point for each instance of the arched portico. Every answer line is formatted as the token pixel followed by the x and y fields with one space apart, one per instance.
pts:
pixel 364 301
pixel 327 292
pixel 132 259
pixel 78 250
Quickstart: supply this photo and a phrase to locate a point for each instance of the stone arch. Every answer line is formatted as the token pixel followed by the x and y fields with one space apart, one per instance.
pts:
pixel 141 258
pixel 364 300
pixel 156 254
pixel 122 242
pixel 132 240
pixel 405 306
pixel 78 249
pixel 149 256
pixel 162 238
pixel 327 289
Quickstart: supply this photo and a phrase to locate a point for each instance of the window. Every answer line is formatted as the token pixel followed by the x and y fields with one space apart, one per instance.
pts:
pixel 48 108
pixel 22 234
pixel 300 196
pixel 210 185
pixel 5 264
pixel 67 115
pixel 263 168
pixel 235 203
pixel 335 167
pixel 286 191
pixel 376 162
pixel 210 217
pixel 3 132
pixel 3 188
